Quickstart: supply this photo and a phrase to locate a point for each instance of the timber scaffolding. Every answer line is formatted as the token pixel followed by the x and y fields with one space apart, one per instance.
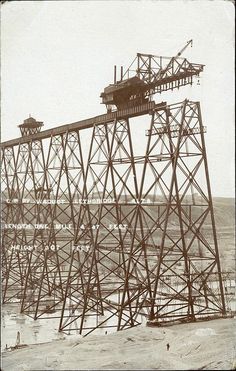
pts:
pixel 145 249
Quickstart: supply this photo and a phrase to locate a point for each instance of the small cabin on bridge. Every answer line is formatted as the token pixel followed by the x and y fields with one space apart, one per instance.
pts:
pixel 30 126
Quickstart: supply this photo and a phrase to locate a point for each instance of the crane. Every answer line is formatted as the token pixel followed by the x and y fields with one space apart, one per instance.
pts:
pixel 153 74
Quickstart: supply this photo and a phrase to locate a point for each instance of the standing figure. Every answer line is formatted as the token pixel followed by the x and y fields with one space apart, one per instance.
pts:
pixel 18 338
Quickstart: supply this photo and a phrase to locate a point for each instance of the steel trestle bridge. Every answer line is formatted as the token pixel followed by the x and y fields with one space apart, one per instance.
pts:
pixel 101 235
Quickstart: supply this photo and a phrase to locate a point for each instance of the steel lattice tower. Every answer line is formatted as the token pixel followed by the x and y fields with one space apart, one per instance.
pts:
pixel 140 243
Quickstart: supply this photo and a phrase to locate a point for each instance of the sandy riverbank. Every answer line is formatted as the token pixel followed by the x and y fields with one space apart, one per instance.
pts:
pixel 203 345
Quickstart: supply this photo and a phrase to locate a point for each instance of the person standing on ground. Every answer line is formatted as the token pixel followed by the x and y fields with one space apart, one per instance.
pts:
pixel 18 338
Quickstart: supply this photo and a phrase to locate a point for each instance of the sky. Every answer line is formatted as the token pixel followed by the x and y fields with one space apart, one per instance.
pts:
pixel 57 57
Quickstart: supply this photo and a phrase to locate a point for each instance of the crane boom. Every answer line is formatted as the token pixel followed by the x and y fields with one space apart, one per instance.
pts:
pixel 183 49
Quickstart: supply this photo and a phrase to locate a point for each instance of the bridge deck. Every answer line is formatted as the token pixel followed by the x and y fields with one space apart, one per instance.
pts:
pixel 84 124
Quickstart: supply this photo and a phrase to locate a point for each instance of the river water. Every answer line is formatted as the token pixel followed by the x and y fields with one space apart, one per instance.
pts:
pixel 31 332
pixel 41 330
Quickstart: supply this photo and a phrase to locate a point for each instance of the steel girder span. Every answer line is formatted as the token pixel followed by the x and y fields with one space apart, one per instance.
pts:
pixel 120 237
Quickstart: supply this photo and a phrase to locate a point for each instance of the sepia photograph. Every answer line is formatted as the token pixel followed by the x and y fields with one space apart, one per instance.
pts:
pixel 118 185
